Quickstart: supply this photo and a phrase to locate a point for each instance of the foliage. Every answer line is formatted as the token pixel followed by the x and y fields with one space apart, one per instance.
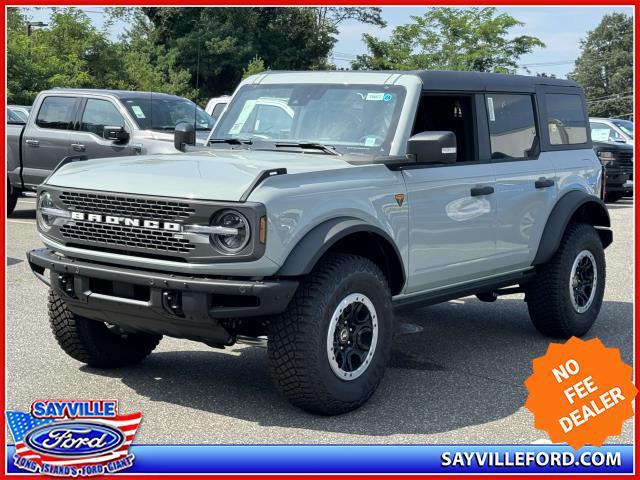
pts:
pixel 605 67
pixel 71 52
pixel 255 66
pixel 450 39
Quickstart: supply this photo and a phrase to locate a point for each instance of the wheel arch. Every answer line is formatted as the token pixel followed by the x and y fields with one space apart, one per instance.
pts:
pixel 347 235
pixel 573 206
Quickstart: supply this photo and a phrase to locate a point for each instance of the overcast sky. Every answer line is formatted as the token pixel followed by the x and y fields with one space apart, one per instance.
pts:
pixel 560 28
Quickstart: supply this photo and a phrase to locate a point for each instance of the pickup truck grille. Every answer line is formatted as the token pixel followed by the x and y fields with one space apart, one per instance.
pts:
pixel 149 209
pixel 625 161
pixel 120 236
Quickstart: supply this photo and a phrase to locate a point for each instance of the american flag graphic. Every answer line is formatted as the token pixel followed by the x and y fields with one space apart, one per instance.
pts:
pixel 21 423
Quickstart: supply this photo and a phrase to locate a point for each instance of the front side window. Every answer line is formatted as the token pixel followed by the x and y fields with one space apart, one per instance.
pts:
pixel 566 122
pixel 99 114
pixel 163 114
pixel 354 119
pixel 56 113
pixel 601 132
pixel 512 126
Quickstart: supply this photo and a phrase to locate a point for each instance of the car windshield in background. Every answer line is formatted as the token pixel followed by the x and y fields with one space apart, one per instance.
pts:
pixel 16 117
pixel 163 114
pixel 355 119
pixel 625 125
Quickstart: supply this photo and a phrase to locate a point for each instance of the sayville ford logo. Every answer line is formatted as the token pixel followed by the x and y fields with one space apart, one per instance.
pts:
pixel 73 437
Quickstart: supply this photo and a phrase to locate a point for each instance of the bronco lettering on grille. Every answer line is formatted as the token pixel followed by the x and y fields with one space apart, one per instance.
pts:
pixel 126 221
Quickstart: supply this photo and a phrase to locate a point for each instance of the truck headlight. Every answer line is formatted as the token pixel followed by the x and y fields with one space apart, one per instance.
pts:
pixel 45 202
pixel 234 231
pixel 605 157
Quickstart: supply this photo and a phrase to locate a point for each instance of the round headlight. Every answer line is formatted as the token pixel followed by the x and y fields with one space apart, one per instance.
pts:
pixel 45 222
pixel 233 242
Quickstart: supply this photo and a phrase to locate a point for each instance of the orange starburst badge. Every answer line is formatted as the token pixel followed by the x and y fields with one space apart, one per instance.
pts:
pixel 580 392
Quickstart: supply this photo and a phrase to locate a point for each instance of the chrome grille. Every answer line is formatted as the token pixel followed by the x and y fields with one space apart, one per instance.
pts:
pixel 120 236
pixel 144 208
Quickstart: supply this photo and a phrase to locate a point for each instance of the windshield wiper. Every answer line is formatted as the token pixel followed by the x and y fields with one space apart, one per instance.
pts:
pixel 330 149
pixel 231 141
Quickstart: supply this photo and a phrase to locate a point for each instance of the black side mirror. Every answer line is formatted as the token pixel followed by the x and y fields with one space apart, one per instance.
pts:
pixel 184 134
pixel 433 147
pixel 115 133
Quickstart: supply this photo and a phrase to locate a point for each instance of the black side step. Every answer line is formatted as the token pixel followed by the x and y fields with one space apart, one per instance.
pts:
pixel 473 288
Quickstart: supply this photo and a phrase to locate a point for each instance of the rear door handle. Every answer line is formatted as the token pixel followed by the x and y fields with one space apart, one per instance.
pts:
pixel 78 147
pixel 479 191
pixel 32 142
pixel 544 183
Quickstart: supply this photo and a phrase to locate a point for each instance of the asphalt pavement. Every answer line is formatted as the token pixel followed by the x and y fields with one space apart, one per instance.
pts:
pixel 456 374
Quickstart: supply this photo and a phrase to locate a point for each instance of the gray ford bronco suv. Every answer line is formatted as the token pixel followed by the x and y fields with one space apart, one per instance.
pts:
pixel 323 202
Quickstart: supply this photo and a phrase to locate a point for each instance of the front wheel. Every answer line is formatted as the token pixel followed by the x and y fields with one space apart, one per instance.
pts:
pixel 96 343
pixel 329 349
pixel 565 297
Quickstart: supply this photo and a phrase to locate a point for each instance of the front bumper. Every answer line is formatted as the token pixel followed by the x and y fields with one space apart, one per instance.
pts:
pixel 169 304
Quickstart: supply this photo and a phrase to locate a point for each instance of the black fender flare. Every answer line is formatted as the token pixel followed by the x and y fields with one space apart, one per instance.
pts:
pixel 590 209
pixel 322 237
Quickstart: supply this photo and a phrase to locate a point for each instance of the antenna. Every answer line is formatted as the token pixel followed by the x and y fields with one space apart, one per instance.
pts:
pixel 151 110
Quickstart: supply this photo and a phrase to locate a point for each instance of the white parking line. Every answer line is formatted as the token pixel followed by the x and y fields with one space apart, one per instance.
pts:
pixel 33 202
pixel 26 222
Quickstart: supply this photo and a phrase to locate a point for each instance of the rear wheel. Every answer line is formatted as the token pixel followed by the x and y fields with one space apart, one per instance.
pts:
pixel 329 349
pixel 12 198
pixel 96 343
pixel 565 297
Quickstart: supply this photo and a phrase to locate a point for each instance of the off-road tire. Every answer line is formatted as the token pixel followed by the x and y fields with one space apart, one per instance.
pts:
pixel 12 198
pixel 92 342
pixel 297 345
pixel 548 296
pixel 613 197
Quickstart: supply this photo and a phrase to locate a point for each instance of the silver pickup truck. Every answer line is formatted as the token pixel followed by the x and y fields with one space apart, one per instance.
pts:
pixel 83 124
pixel 324 202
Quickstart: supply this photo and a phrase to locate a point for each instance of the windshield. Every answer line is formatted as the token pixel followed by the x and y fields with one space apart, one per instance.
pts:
pixel 625 125
pixel 355 119
pixel 161 113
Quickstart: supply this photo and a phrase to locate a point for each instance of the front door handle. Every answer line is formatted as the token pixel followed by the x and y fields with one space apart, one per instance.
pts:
pixel 78 147
pixel 32 142
pixel 479 191
pixel 544 183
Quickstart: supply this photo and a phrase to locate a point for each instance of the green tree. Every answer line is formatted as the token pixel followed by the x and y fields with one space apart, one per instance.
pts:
pixel 255 66
pixel 605 67
pixel 450 39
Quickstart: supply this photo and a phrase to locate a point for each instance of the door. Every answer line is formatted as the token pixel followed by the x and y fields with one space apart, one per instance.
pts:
pixel 46 141
pixel 526 182
pixel 452 208
pixel 88 138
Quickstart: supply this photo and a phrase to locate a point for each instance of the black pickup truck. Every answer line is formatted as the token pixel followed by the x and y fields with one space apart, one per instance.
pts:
pixel 617 159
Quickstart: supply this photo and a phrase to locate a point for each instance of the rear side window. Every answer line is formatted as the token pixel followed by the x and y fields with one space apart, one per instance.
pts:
pixel 56 112
pixel 512 126
pixel 99 114
pixel 566 122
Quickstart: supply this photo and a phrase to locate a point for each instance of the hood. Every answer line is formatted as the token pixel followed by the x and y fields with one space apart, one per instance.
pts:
pixel 612 146
pixel 207 175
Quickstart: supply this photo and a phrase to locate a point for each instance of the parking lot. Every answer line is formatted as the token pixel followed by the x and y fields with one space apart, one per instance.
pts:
pixel 456 374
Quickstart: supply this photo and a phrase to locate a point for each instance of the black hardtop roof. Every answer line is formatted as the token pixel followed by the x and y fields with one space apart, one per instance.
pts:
pixel 121 94
pixel 482 81
pixel 450 80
